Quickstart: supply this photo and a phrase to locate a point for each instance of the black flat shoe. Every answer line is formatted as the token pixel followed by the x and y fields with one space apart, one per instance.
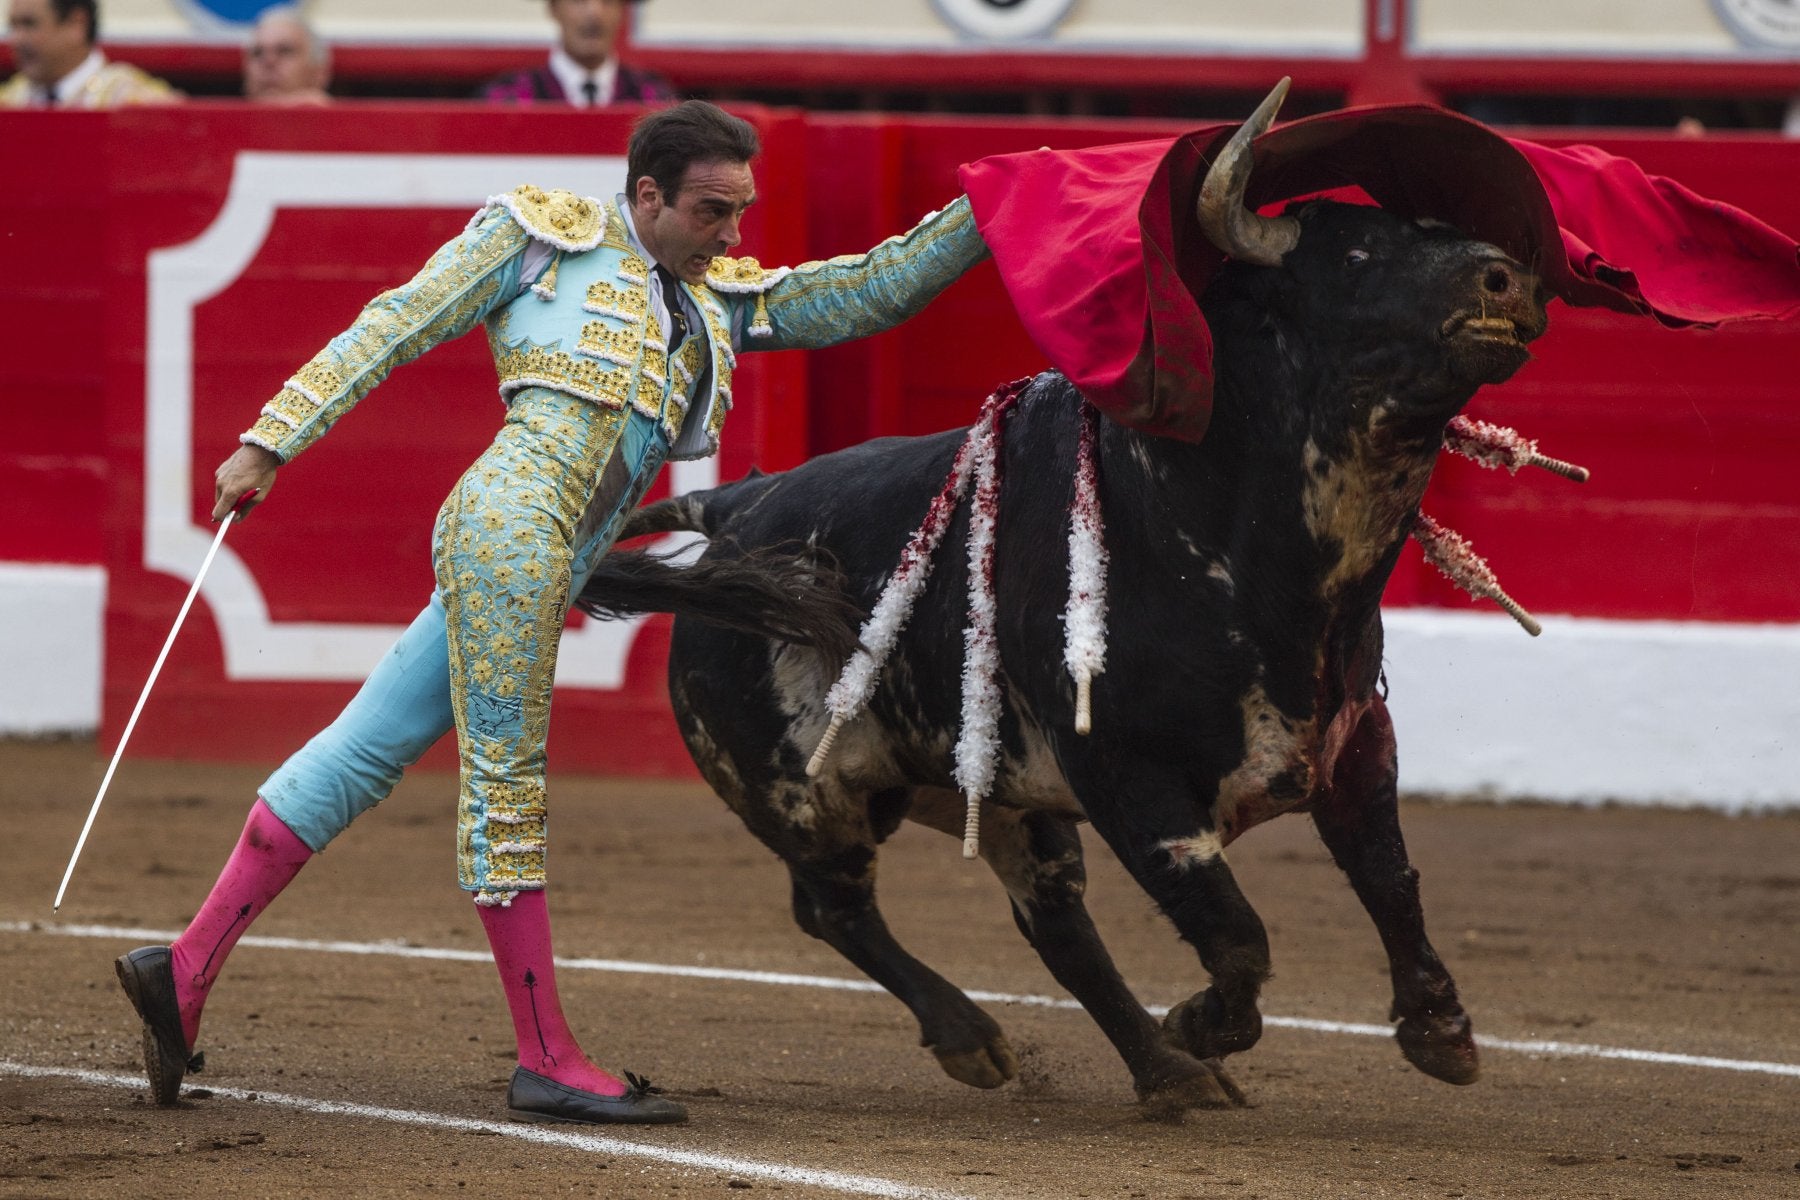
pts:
pixel 531 1097
pixel 148 978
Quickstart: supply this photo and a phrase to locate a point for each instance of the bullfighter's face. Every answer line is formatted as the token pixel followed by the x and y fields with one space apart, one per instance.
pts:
pixel 686 231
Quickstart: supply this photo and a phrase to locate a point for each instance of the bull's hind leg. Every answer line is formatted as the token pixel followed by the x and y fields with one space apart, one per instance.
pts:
pixel 1037 856
pixel 1359 821
pixel 832 861
pixel 824 831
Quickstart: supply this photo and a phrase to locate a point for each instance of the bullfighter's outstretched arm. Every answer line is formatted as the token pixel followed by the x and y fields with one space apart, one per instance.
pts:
pixel 823 303
pixel 458 287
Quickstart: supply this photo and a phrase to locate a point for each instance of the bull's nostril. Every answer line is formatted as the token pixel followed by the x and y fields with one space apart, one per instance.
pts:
pixel 1498 279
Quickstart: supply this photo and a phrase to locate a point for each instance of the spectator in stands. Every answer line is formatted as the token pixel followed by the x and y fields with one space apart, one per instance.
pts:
pixel 584 67
pixel 53 45
pixel 285 62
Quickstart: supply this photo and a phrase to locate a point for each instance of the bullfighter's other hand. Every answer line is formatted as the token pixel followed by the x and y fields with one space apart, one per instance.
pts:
pixel 251 469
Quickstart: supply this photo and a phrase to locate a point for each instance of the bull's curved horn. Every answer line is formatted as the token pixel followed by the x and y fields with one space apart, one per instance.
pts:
pixel 1227 224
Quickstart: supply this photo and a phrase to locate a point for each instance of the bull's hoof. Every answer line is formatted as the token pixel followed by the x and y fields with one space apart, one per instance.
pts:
pixel 1205 1086
pixel 986 1066
pixel 1203 1031
pixel 1442 1047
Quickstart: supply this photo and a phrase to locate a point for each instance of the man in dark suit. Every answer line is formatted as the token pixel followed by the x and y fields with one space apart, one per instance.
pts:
pixel 584 67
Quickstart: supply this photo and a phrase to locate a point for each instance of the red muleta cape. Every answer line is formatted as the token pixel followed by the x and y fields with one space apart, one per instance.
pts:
pixel 1104 261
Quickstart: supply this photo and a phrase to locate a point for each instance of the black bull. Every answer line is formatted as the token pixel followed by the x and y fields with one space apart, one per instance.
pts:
pixel 1243 666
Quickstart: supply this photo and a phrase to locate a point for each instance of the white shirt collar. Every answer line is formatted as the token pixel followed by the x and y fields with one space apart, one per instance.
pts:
pixel 572 75
pixel 631 227
pixel 70 85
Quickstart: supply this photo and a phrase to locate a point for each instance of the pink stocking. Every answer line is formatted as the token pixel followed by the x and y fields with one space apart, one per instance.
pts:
pixel 266 859
pixel 520 936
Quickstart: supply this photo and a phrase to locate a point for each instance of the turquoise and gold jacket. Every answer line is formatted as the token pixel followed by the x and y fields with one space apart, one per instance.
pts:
pixel 564 290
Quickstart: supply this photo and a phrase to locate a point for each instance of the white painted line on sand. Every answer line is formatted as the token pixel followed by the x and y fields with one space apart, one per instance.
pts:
pixel 1544 1049
pixel 1559 1049
pixel 591 1143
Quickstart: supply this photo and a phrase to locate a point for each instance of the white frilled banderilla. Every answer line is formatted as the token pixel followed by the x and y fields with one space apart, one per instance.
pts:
pixel 1084 619
pixel 1492 446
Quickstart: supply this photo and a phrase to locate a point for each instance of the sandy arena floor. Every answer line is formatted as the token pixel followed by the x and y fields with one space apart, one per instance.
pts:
pixel 1676 934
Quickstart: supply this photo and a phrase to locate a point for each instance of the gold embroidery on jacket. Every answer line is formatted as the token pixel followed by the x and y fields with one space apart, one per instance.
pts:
pixel 633 269
pixel 742 275
pixel 526 365
pixel 611 343
pixel 626 303
pixel 559 218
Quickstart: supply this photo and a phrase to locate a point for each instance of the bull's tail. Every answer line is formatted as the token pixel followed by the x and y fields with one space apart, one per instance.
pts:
pixel 785 593
pixel 677 514
pixel 699 512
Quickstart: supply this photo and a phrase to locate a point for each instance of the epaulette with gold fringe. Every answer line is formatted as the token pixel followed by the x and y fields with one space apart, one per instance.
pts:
pixel 560 219
pixel 746 276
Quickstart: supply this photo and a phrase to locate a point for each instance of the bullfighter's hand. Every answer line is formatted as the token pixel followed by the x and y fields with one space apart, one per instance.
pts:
pixel 251 469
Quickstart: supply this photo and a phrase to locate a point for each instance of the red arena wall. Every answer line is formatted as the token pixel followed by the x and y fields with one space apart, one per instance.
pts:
pixel 165 270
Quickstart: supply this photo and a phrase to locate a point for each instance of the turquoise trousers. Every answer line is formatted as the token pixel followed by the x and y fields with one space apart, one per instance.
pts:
pixel 514 542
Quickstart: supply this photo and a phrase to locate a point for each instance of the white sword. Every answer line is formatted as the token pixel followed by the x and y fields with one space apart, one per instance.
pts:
pixel 218 539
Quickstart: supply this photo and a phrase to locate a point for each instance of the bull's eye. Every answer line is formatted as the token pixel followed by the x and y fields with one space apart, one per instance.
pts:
pixel 1356 257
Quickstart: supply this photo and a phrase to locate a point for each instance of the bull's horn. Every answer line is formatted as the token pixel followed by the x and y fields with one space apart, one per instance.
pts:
pixel 1227 224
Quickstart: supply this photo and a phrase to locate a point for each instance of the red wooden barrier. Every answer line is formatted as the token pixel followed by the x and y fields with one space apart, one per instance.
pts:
pixel 1693 512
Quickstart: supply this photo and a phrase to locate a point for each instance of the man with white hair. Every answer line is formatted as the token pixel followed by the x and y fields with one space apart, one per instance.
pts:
pixel 285 62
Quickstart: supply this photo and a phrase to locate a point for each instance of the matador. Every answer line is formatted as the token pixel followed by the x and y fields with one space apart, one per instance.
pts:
pixel 615 328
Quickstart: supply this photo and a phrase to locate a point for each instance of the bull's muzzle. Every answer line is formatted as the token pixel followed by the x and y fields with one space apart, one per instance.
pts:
pixel 1507 305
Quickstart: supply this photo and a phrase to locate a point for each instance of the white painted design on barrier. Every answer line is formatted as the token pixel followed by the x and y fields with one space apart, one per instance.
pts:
pixel 183 277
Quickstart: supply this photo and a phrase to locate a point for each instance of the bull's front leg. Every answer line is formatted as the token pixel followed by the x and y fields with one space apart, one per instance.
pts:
pixel 1180 862
pixel 1359 820
pixel 1037 856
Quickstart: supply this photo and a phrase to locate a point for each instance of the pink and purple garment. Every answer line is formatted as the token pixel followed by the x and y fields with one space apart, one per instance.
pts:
pixel 539 85
pixel 1116 308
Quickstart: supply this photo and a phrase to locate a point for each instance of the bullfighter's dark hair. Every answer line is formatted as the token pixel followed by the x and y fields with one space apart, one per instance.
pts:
pixel 63 8
pixel 665 143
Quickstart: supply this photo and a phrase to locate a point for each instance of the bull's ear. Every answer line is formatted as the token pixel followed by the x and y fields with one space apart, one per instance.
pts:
pixel 1236 230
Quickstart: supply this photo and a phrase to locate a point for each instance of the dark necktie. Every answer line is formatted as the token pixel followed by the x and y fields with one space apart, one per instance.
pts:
pixel 590 92
pixel 677 314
